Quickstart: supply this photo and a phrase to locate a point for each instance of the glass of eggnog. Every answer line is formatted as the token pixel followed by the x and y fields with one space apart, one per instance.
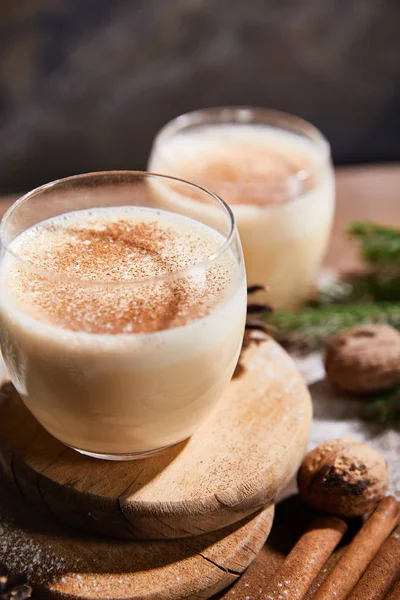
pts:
pixel 121 319
pixel 275 172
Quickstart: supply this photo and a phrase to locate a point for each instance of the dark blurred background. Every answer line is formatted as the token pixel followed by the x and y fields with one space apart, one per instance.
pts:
pixel 86 84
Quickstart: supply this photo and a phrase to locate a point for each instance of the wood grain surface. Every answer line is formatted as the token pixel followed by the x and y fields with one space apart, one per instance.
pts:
pixel 242 456
pixel 64 564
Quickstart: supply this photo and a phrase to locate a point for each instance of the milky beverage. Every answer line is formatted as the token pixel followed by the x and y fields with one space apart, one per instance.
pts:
pixel 280 186
pixel 133 363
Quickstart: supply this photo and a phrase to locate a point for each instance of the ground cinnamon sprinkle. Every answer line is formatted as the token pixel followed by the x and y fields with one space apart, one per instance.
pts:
pixel 243 164
pixel 118 250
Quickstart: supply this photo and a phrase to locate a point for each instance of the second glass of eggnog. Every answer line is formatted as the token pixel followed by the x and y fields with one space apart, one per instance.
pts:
pixel 121 322
pixel 275 171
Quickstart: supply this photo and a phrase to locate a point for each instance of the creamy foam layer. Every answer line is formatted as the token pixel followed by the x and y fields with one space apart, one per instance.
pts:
pixel 244 164
pixel 128 250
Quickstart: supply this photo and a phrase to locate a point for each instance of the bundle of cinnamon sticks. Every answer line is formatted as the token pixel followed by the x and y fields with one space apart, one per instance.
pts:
pixel 367 569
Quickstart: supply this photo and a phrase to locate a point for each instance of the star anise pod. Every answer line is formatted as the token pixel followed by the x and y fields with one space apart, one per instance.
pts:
pixel 13 587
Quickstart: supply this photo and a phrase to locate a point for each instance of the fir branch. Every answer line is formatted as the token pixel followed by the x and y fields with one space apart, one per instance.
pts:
pixel 379 287
pixel 309 327
pixel 385 409
pixel 379 245
pixel 368 287
pixel 380 280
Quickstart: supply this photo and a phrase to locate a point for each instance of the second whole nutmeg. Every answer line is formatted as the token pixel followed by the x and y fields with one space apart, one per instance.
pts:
pixel 364 359
pixel 343 477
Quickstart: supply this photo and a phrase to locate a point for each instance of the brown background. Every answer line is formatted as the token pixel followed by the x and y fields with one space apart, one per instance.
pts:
pixel 85 84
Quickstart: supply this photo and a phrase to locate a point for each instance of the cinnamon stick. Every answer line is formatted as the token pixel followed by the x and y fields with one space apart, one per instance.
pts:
pixel 383 572
pixel 395 593
pixel 302 565
pixel 360 552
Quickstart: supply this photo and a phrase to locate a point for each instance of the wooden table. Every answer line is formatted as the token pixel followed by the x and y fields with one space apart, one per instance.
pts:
pixel 369 192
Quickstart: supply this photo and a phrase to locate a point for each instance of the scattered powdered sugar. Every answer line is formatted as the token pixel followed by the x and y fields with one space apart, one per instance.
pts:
pixel 126 256
pixel 24 547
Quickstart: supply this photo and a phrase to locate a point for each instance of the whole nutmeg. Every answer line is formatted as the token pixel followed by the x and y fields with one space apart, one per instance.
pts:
pixel 343 477
pixel 364 359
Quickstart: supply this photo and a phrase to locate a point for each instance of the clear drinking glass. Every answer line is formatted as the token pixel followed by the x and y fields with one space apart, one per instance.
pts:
pixel 275 172
pixel 113 361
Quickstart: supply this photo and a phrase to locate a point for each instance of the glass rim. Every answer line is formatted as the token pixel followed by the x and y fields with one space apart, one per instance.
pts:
pixel 246 115
pixel 207 261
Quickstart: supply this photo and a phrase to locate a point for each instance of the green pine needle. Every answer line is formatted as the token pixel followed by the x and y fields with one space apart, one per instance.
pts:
pixel 385 409
pixel 370 287
pixel 378 245
pixel 309 327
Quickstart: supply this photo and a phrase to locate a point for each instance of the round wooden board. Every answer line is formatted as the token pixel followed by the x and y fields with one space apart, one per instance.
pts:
pixel 65 564
pixel 243 455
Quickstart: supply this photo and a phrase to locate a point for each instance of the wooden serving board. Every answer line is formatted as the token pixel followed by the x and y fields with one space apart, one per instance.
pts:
pixel 243 455
pixel 65 564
